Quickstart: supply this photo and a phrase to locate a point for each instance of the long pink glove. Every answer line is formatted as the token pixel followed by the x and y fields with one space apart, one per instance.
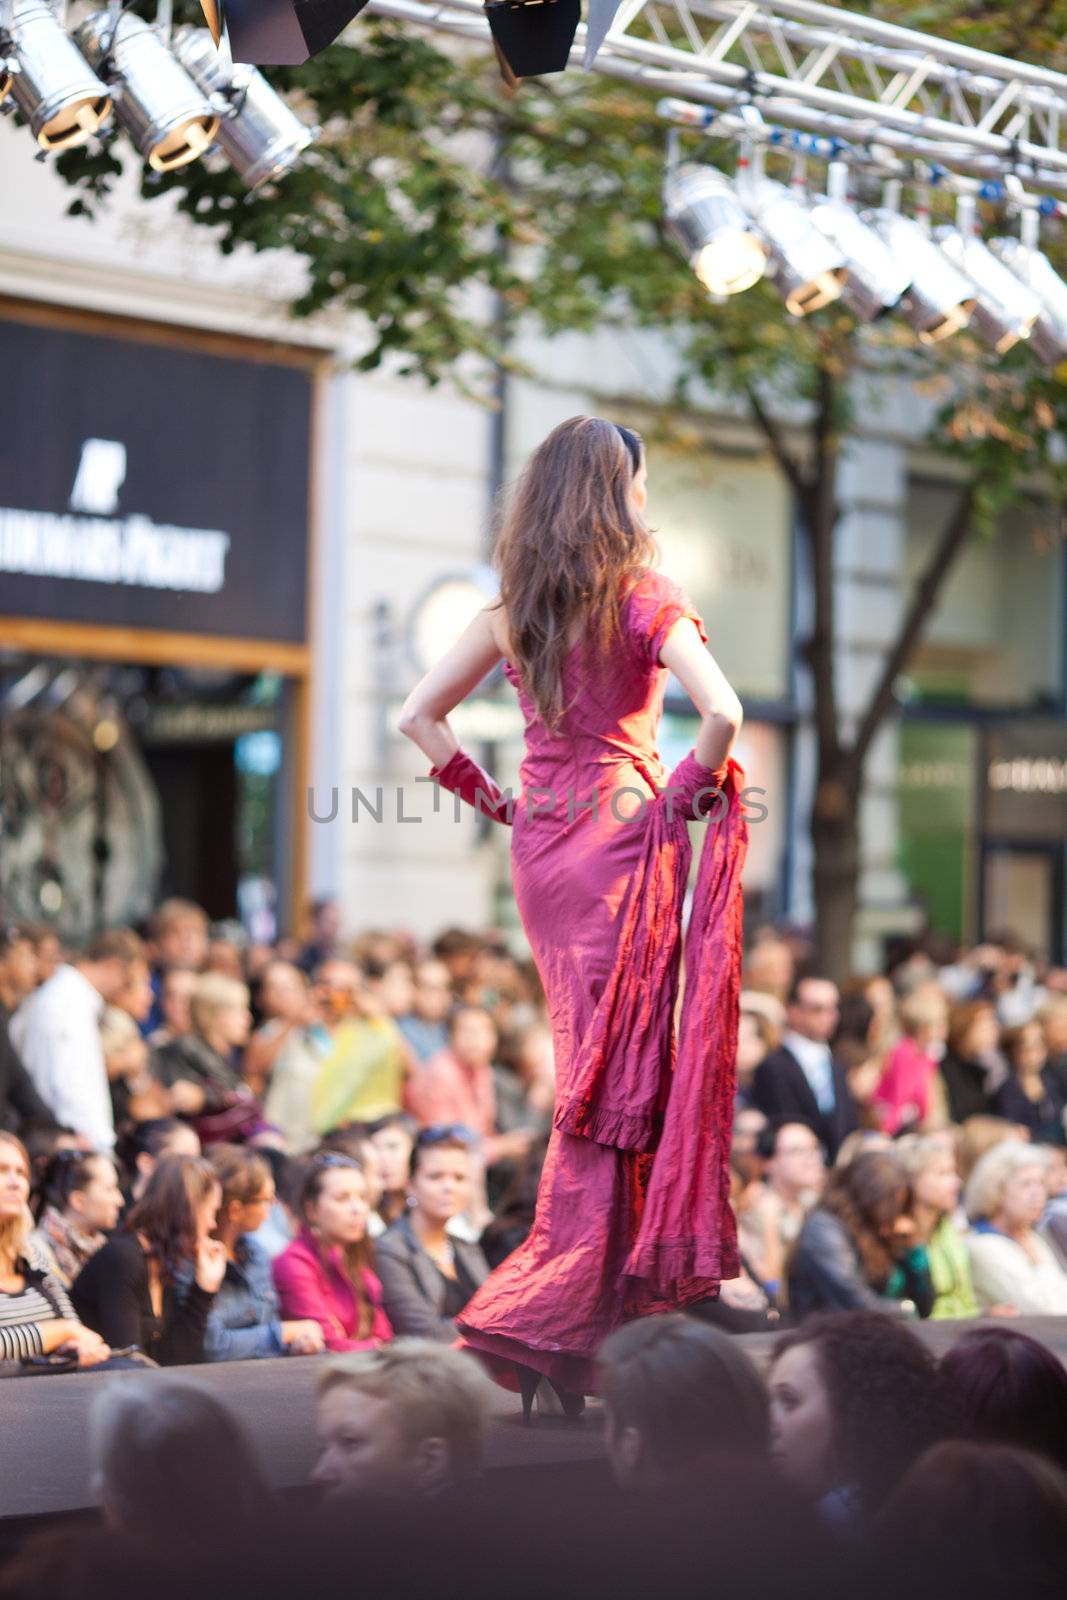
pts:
pixel 463 776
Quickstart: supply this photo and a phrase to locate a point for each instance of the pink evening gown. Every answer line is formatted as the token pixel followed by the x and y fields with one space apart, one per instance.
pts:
pixel 633 1212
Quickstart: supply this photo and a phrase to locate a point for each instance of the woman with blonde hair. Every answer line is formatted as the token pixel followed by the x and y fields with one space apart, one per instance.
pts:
pixel 1011 1264
pixel 198 1067
pixel 36 1317
pixel 600 855
pixel 935 1184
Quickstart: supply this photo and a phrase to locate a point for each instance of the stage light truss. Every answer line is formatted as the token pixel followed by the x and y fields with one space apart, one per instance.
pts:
pixel 823 71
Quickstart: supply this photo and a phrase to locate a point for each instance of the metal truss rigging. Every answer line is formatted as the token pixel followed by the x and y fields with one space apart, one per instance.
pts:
pixel 827 72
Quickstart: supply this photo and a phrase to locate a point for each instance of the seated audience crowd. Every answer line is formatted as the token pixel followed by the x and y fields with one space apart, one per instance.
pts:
pixel 216 1152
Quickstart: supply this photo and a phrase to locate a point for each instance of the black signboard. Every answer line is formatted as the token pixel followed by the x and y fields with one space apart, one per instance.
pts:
pixel 1026 781
pixel 148 486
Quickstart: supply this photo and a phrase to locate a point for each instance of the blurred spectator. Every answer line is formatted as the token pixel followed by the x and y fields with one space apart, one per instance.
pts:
pixel 773 1210
pixel 175 991
pixel 20 1102
pixel 935 1185
pixel 47 949
pixel 292 1057
pixel 759 1029
pixel 393 1137
pixel 1052 1016
pixel 154 1282
pixel 680 1398
pixel 744 1155
pixel 1011 1264
pixel 406 1420
pixel 361 1076
pixel 135 1093
pixel 855 1399
pixel 801 1078
pixel 458 949
pixel 80 1205
pixel 981 1133
pixel 391 984
pixel 284 1004
pixel 178 939
pixel 972 1067
pixel 966 1516
pixel 456 1085
pixel 141 1150
pixel 56 1032
pixel 245 1321
pixel 1009 1390
pixel 168 1460
pixel 856 1249
pixel 322 943
pixel 1034 1093
pixel 36 1317
pixel 769 968
pixel 425 1027
pixel 514 1213
pixel 199 1067
pixel 354 1140
pixel 325 1274
pixel 907 1093
pixel 859 1141
pixel 852 1044
pixel 427 1276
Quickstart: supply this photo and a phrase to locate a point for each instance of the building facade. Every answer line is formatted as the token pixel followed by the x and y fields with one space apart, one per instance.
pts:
pixel 237 743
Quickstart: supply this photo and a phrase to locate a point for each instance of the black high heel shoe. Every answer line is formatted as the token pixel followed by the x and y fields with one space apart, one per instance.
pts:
pixel 573 1404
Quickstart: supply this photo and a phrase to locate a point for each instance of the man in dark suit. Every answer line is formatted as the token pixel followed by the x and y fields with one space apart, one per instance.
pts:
pixel 802 1078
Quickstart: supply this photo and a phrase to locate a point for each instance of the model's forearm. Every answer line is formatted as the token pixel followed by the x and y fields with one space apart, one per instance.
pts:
pixel 433 736
pixel 716 738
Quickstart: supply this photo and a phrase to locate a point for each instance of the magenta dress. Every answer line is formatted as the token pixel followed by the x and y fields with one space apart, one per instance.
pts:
pixel 633 1210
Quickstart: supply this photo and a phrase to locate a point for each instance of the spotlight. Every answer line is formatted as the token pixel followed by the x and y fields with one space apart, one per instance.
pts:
pixel 52 84
pixel 1007 308
pixel 808 269
pixel 703 213
pixel 940 299
pixel 166 115
pixel 876 277
pixel 262 138
pixel 1029 266
pixel 280 33
pixel 532 37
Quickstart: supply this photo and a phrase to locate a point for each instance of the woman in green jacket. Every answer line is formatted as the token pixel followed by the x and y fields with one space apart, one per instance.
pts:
pixel 935 1182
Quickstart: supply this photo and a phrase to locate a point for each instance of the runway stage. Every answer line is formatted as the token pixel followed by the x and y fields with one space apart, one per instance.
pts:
pixel 43 1422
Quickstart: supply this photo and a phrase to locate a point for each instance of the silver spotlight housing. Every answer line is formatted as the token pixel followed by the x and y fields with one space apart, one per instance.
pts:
pixel 261 137
pixel 1007 308
pixel 808 269
pixel 940 299
pixel 705 216
pixel 167 116
pixel 877 278
pixel 1031 267
pixel 53 85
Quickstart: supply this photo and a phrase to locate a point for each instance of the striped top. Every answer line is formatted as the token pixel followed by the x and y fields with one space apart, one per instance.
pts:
pixel 42 1299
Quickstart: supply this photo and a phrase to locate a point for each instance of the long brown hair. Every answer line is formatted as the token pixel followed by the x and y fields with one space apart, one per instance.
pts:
pixel 867 1196
pixel 570 541
pixel 358 1258
pixel 166 1211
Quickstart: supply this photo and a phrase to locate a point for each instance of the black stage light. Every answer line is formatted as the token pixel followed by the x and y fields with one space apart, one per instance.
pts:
pixel 532 37
pixel 282 33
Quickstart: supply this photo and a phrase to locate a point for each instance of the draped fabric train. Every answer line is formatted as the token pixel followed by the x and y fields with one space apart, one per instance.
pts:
pixel 633 1210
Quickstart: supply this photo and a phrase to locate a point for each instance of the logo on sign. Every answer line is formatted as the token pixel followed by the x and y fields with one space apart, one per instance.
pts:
pixel 100 475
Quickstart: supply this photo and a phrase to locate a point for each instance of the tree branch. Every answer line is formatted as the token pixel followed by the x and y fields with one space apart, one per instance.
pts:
pixel 923 600
pixel 785 458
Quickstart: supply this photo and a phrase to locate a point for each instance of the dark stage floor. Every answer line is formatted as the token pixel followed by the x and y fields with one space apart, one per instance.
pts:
pixel 43 1421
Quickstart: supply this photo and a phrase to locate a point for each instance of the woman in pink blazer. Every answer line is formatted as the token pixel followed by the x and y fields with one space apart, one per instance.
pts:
pixel 325 1273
